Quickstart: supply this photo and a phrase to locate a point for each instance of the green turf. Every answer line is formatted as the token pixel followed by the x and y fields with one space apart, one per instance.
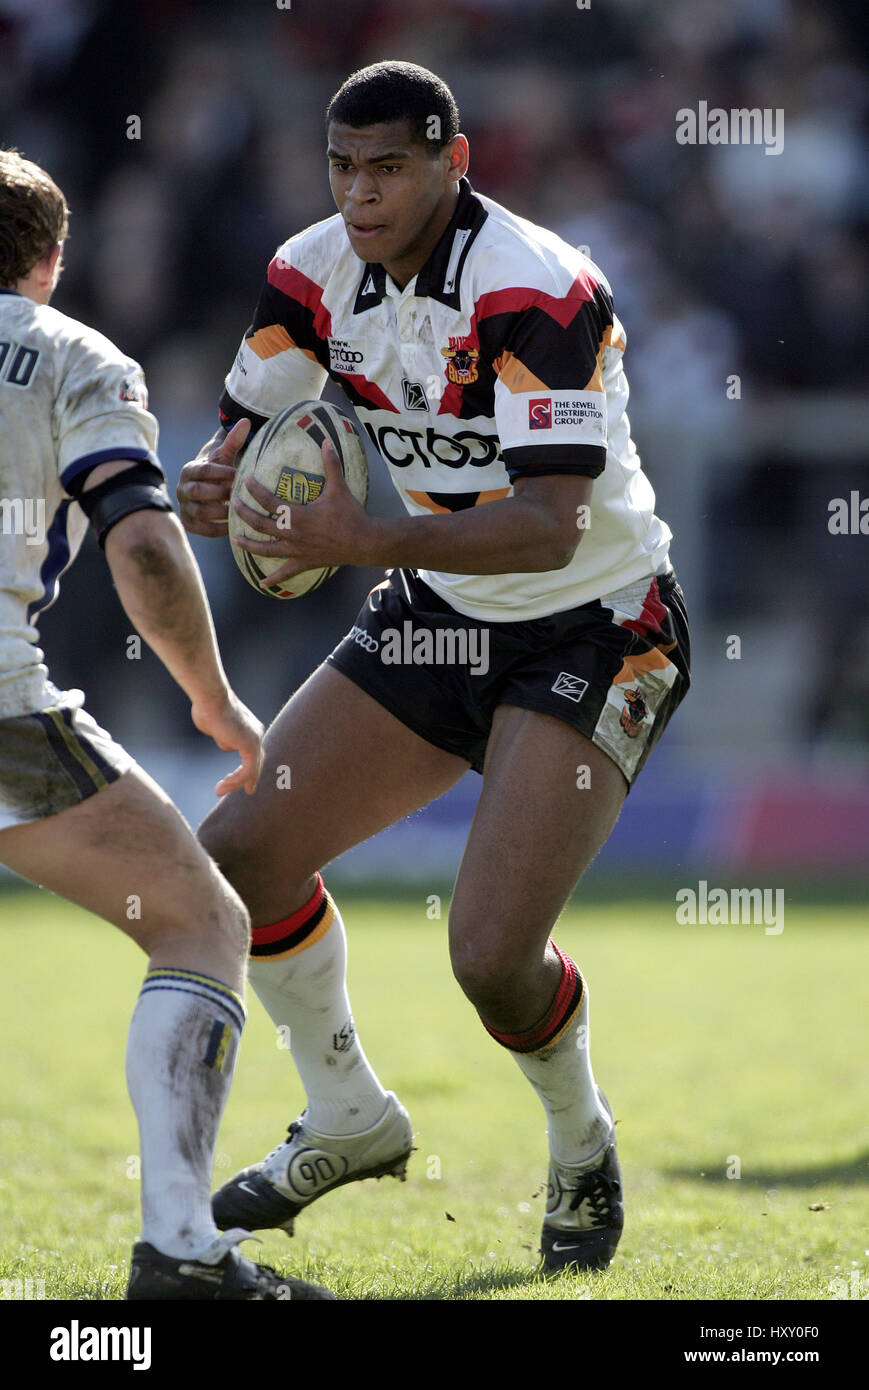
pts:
pixel 721 1049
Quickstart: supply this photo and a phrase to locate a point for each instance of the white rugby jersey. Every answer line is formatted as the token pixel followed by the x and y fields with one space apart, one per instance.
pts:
pixel 69 400
pixel 501 359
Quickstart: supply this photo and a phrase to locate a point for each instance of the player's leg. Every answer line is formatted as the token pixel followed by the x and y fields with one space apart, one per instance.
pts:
pixel 574 724
pixel 338 768
pixel 537 827
pixel 126 854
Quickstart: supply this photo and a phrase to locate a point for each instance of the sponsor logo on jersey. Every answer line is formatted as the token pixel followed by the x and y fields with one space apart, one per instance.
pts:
pixel 299 488
pixel 402 447
pixel 133 389
pixel 580 411
pixel 634 713
pixel 414 395
pixel 571 687
pixel 362 637
pixel 462 358
pixel 540 413
pixel 345 356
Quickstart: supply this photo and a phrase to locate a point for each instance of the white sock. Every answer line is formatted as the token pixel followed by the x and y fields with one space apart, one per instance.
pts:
pixel 301 985
pixel 559 1069
pixel 181 1053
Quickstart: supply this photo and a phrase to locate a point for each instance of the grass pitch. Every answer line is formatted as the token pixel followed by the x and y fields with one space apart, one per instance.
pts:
pixel 734 1061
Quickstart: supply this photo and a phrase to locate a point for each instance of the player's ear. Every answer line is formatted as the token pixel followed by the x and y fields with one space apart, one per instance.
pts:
pixel 457 157
pixel 50 267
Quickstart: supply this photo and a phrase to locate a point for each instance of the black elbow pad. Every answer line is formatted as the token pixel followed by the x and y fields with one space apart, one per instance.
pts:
pixel 135 490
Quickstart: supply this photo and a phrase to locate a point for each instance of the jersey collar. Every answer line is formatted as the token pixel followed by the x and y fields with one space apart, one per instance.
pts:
pixel 441 276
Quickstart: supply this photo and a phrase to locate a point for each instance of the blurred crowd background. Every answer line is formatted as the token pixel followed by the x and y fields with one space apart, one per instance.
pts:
pixel 742 279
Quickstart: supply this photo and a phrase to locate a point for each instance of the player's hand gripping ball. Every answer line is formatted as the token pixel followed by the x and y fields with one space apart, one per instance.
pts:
pixel 286 457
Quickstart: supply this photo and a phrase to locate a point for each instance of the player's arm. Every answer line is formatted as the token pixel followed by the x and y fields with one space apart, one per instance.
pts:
pixel 277 365
pixel 160 587
pixel 538 528
pixel 206 481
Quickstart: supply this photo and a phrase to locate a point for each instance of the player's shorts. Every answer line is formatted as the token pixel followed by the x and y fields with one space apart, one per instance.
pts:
pixel 615 669
pixel 53 759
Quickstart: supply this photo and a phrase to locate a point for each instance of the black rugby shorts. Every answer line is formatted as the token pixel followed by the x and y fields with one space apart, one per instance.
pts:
pixel 444 675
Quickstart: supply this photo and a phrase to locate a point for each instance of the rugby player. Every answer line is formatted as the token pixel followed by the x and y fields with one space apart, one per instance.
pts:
pixel 77 815
pixel 483 356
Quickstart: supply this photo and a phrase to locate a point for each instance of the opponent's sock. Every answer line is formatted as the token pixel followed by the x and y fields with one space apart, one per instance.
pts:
pixel 298 970
pixel 555 1056
pixel 181 1052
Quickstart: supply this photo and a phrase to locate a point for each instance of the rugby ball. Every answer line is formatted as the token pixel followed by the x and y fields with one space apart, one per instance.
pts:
pixel 285 456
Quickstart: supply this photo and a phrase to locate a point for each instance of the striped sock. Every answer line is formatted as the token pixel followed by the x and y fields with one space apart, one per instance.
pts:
pixel 181 1053
pixel 298 970
pixel 298 932
pixel 556 1058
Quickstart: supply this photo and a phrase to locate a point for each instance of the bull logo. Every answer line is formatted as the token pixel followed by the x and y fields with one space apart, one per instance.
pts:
pixel 634 713
pixel 462 358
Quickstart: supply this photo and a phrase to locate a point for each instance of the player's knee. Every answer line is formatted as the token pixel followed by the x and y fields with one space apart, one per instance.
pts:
pixel 480 968
pixel 196 910
pixel 235 920
pixel 238 852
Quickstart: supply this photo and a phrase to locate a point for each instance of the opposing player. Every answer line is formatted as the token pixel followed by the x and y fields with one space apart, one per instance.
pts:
pixel 484 358
pixel 77 814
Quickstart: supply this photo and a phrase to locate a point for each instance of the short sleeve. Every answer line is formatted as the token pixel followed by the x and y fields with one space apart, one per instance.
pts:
pixel 280 361
pixel 101 410
pixel 550 400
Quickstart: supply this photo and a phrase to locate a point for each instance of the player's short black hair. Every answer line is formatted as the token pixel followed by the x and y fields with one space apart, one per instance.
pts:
pixel 396 91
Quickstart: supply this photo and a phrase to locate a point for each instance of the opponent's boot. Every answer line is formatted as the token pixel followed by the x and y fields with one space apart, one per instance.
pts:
pixel 306 1165
pixel 228 1276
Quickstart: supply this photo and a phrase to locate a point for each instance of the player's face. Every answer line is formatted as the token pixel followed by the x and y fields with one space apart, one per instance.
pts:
pixel 396 200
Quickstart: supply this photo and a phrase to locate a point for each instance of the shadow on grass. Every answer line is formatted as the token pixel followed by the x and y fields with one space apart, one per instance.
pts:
pixel 486 1281
pixel 849 1173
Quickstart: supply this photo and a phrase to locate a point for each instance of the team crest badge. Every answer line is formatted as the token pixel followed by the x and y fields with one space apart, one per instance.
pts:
pixel 462 358
pixel 634 713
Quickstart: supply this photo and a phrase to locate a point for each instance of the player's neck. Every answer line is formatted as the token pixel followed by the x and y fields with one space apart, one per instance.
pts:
pixel 402 271
pixel 41 280
pixel 35 286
